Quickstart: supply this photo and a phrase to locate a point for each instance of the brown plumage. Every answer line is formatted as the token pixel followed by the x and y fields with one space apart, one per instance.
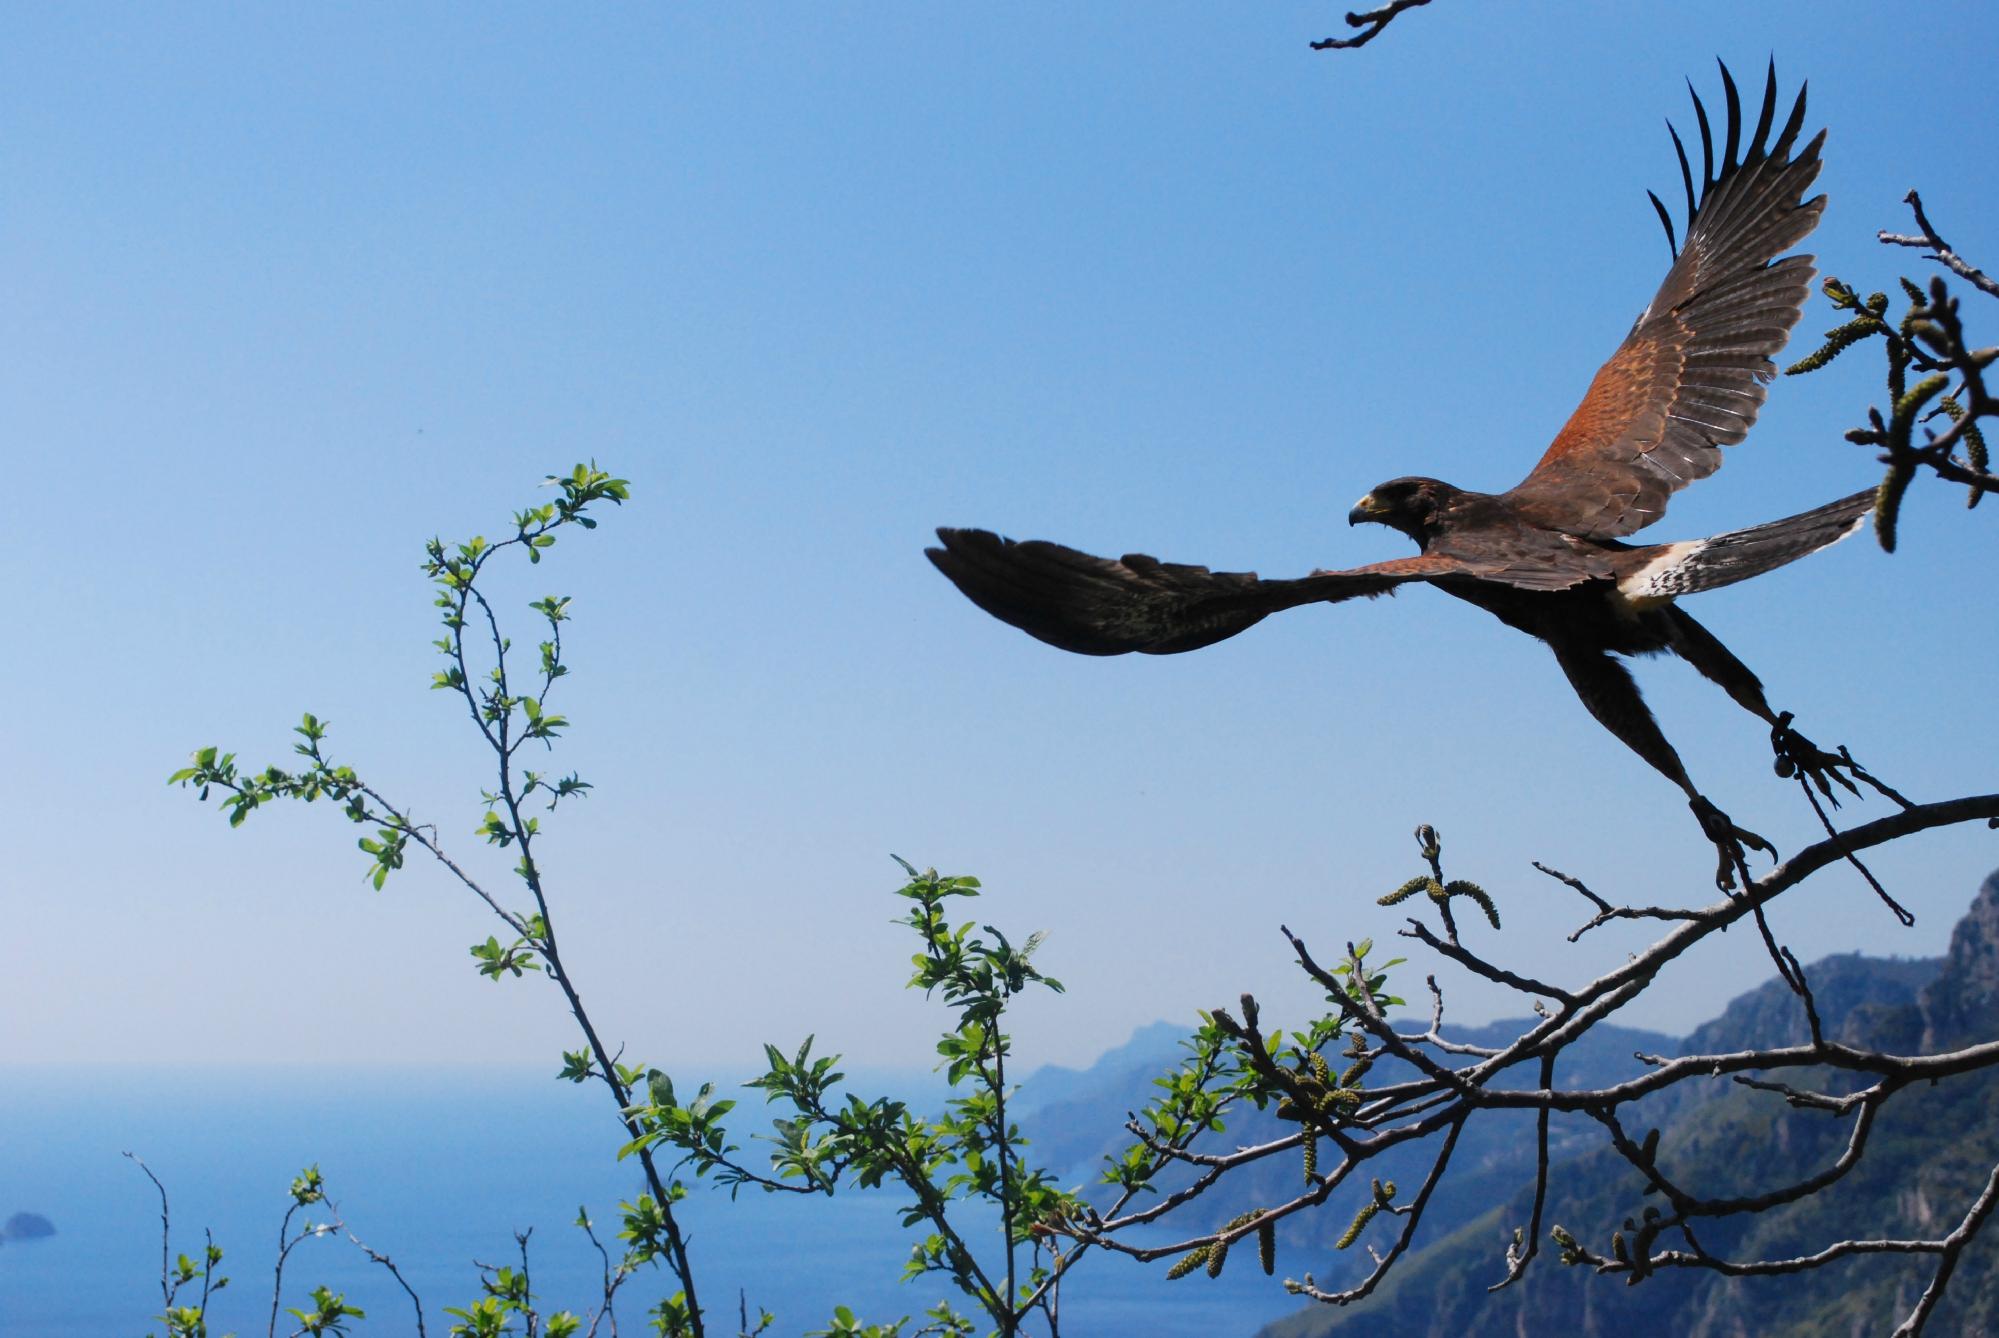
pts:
pixel 1547 556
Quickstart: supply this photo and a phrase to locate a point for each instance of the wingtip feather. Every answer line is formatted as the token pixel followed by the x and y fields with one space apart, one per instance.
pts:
pixel 1734 100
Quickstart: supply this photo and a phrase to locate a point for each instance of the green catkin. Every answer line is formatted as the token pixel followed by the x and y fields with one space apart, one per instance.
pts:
pixel 1837 341
pixel 1218 1252
pixel 1382 1194
pixel 1459 887
pixel 1187 1263
pixel 1266 1246
pixel 1975 453
pixel 1360 1221
pixel 1909 405
pixel 1362 1061
pixel 1888 504
pixel 1409 889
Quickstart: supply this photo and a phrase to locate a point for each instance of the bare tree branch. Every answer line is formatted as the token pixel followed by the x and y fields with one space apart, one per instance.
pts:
pixel 1940 250
pixel 1369 23
pixel 1444 1096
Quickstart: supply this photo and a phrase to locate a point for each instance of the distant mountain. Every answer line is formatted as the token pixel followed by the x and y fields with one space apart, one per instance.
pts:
pixel 1076 1118
pixel 1120 1075
pixel 1930 1150
pixel 27 1226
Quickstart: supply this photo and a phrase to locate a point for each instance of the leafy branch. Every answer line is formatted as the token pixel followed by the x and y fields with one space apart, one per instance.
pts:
pixel 972 1151
pixel 509 716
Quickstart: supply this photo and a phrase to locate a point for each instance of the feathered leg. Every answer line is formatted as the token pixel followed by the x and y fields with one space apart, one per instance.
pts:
pixel 1607 689
pixel 1795 753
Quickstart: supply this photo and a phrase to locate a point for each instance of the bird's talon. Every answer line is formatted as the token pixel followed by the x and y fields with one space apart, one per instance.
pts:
pixel 1729 841
pixel 1798 756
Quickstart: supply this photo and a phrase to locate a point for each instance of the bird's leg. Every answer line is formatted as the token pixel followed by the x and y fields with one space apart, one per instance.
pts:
pixel 1796 755
pixel 1607 690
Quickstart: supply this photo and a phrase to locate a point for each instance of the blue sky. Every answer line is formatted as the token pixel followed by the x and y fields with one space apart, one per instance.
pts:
pixel 291 289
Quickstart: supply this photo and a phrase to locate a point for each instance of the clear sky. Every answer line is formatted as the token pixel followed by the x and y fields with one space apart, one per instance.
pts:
pixel 291 288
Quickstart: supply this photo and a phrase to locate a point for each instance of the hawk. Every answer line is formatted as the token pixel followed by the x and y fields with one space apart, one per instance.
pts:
pixel 1549 556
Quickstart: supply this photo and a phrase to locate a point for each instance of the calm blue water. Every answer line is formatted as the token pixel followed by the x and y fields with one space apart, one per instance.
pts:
pixel 437 1170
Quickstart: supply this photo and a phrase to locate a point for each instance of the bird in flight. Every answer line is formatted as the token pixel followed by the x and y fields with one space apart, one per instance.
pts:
pixel 1548 556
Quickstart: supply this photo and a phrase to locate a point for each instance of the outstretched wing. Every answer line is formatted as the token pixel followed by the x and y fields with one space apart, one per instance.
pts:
pixel 1690 377
pixel 1097 606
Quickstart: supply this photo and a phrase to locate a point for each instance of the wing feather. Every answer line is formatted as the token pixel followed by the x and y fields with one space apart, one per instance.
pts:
pixel 1104 606
pixel 1690 378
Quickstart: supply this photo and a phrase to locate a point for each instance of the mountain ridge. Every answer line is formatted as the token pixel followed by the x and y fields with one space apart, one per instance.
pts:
pixel 1929 1150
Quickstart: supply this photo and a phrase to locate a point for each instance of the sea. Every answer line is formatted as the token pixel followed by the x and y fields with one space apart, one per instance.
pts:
pixel 439 1168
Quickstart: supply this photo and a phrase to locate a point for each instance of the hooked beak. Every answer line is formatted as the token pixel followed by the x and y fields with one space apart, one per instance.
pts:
pixel 1365 509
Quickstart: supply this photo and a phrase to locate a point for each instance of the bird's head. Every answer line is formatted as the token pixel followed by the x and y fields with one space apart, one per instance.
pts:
pixel 1410 505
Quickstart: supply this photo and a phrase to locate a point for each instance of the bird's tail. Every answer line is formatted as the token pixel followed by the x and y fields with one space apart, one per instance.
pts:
pixel 1708 564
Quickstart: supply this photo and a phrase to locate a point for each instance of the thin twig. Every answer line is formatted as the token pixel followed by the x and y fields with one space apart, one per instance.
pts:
pixel 1940 250
pixel 1371 23
pixel 377 1257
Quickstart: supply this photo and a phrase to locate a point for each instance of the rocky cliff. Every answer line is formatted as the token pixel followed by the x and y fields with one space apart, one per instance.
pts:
pixel 1931 1150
